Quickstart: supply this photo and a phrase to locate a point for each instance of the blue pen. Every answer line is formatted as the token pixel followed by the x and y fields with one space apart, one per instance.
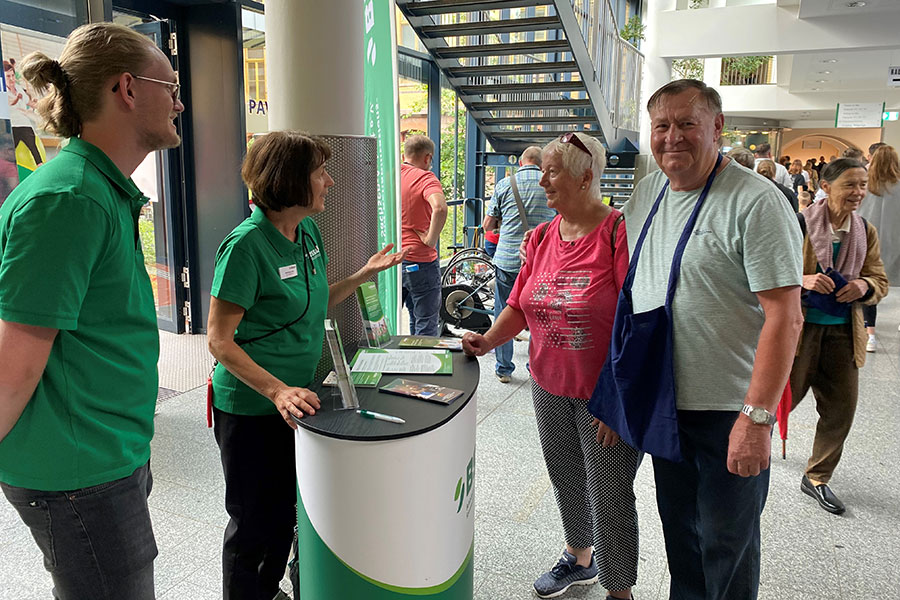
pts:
pixel 374 415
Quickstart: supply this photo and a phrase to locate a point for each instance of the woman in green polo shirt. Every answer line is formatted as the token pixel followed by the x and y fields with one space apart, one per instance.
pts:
pixel 266 324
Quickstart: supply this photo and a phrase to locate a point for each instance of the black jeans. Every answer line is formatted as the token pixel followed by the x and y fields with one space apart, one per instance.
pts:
pixel 260 497
pixel 710 517
pixel 97 541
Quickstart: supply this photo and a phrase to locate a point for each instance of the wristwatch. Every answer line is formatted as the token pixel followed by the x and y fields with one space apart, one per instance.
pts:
pixel 759 415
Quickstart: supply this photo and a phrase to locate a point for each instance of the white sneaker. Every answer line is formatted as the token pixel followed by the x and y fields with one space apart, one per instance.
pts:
pixel 870 344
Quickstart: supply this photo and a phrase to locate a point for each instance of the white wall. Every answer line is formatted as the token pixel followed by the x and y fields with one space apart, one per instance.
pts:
pixel 767 29
pixel 774 100
pixel 891 134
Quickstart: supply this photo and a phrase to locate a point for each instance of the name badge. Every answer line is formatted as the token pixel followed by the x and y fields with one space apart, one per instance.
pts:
pixel 288 271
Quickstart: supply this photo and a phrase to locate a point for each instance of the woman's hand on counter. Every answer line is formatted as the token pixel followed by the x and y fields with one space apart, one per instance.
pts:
pixel 295 401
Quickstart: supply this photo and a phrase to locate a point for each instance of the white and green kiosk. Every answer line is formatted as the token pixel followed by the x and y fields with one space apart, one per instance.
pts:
pixel 386 511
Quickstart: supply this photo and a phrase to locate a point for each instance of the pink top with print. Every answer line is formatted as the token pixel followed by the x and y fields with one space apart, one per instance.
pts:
pixel 568 293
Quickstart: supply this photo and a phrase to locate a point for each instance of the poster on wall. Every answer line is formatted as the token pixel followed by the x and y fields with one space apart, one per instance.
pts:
pixel 382 106
pixel 32 145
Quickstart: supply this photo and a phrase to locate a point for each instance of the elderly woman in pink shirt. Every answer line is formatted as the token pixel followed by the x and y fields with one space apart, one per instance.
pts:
pixel 566 294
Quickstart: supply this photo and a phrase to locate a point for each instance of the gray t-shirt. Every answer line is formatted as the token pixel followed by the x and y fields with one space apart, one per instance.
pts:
pixel 746 240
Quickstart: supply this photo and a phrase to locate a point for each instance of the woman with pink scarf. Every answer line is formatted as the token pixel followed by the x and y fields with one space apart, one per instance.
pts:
pixel 842 270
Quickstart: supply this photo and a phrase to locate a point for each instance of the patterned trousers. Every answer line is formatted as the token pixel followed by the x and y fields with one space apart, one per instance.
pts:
pixel 594 486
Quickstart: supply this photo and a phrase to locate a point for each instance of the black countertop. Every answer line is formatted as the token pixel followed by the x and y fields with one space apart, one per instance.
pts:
pixel 420 416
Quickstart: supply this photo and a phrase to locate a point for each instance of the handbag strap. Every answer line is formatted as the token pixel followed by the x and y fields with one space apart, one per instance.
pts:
pixel 675 269
pixel 515 191
pixel 614 232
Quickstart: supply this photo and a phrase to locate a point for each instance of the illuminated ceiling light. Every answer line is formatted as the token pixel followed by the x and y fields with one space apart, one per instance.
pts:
pixel 816 89
pixel 824 72
pixel 821 81
pixel 830 60
pixel 856 4
pixel 753 132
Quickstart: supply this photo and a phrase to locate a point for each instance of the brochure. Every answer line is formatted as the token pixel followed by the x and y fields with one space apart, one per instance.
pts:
pixel 422 391
pixel 426 362
pixel 359 379
pixel 422 341
pixel 377 334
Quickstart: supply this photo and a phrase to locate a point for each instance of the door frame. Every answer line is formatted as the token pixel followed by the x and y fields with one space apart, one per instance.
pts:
pixel 171 174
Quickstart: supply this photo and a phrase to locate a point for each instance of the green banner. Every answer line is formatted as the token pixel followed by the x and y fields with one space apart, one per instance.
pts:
pixel 382 118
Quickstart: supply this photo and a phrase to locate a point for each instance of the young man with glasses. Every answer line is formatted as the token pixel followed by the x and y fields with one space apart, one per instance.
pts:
pixel 78 330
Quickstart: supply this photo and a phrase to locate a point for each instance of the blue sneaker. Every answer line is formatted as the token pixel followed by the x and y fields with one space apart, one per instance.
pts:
pixel 564 575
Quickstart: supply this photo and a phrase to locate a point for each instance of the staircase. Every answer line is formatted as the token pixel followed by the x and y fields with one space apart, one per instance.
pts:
pixel 530 70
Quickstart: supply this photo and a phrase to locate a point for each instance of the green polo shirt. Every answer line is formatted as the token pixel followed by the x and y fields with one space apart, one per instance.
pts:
pixel 71 259
pixel 274 280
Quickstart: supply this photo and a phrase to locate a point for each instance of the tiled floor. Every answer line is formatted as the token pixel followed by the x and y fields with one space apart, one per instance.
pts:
pixel 807 553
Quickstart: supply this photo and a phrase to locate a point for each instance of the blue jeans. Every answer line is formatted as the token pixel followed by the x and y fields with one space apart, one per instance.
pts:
pixel 504 281
pixel 710 517
pixel 97 541
pixel 490 248
pixel 422 296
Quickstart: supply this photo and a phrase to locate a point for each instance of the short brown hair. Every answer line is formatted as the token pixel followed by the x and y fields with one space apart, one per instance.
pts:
pixel 278 166
pixel 766 168
pixel 711 96
pixel 742 156
pixel 764 149
pixel 852 153
pixel 875 146
pixel 93 54
pixel 837 167
pixel 418 145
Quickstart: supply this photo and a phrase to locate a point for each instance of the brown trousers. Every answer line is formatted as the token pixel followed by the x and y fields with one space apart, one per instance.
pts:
pixel 824 362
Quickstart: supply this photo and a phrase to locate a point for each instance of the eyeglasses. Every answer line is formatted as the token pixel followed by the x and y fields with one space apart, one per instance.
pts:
pixel 571 138
pixel 174 86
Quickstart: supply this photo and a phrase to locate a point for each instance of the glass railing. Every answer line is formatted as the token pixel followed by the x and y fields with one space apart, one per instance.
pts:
pixel 617 63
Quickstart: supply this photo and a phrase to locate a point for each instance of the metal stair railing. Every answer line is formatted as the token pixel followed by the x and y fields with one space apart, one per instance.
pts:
pixel 528 74
pixel 616 64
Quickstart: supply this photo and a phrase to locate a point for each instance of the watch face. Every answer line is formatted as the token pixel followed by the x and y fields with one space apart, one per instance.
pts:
pixel 759 416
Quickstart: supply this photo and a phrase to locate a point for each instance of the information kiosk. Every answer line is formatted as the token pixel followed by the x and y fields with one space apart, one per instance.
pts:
pixel 386 510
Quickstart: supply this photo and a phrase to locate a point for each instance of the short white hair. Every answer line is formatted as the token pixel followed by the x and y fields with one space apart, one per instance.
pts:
pixel 576 161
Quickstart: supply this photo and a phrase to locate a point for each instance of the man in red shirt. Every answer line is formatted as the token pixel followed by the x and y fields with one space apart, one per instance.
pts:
pixel 424 212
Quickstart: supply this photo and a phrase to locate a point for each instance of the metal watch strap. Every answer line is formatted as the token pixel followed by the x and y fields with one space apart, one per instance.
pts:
pixel 747 409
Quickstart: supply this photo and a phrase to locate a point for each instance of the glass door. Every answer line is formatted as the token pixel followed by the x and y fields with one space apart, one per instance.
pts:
pixel 161 221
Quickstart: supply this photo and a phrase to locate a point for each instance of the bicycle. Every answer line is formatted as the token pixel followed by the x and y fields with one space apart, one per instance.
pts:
pixel 467 288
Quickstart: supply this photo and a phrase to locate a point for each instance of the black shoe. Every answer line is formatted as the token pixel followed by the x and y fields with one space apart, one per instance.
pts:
pixel 823 495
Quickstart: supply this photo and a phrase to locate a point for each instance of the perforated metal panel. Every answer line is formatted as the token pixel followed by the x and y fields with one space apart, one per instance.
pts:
pixel 349 226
